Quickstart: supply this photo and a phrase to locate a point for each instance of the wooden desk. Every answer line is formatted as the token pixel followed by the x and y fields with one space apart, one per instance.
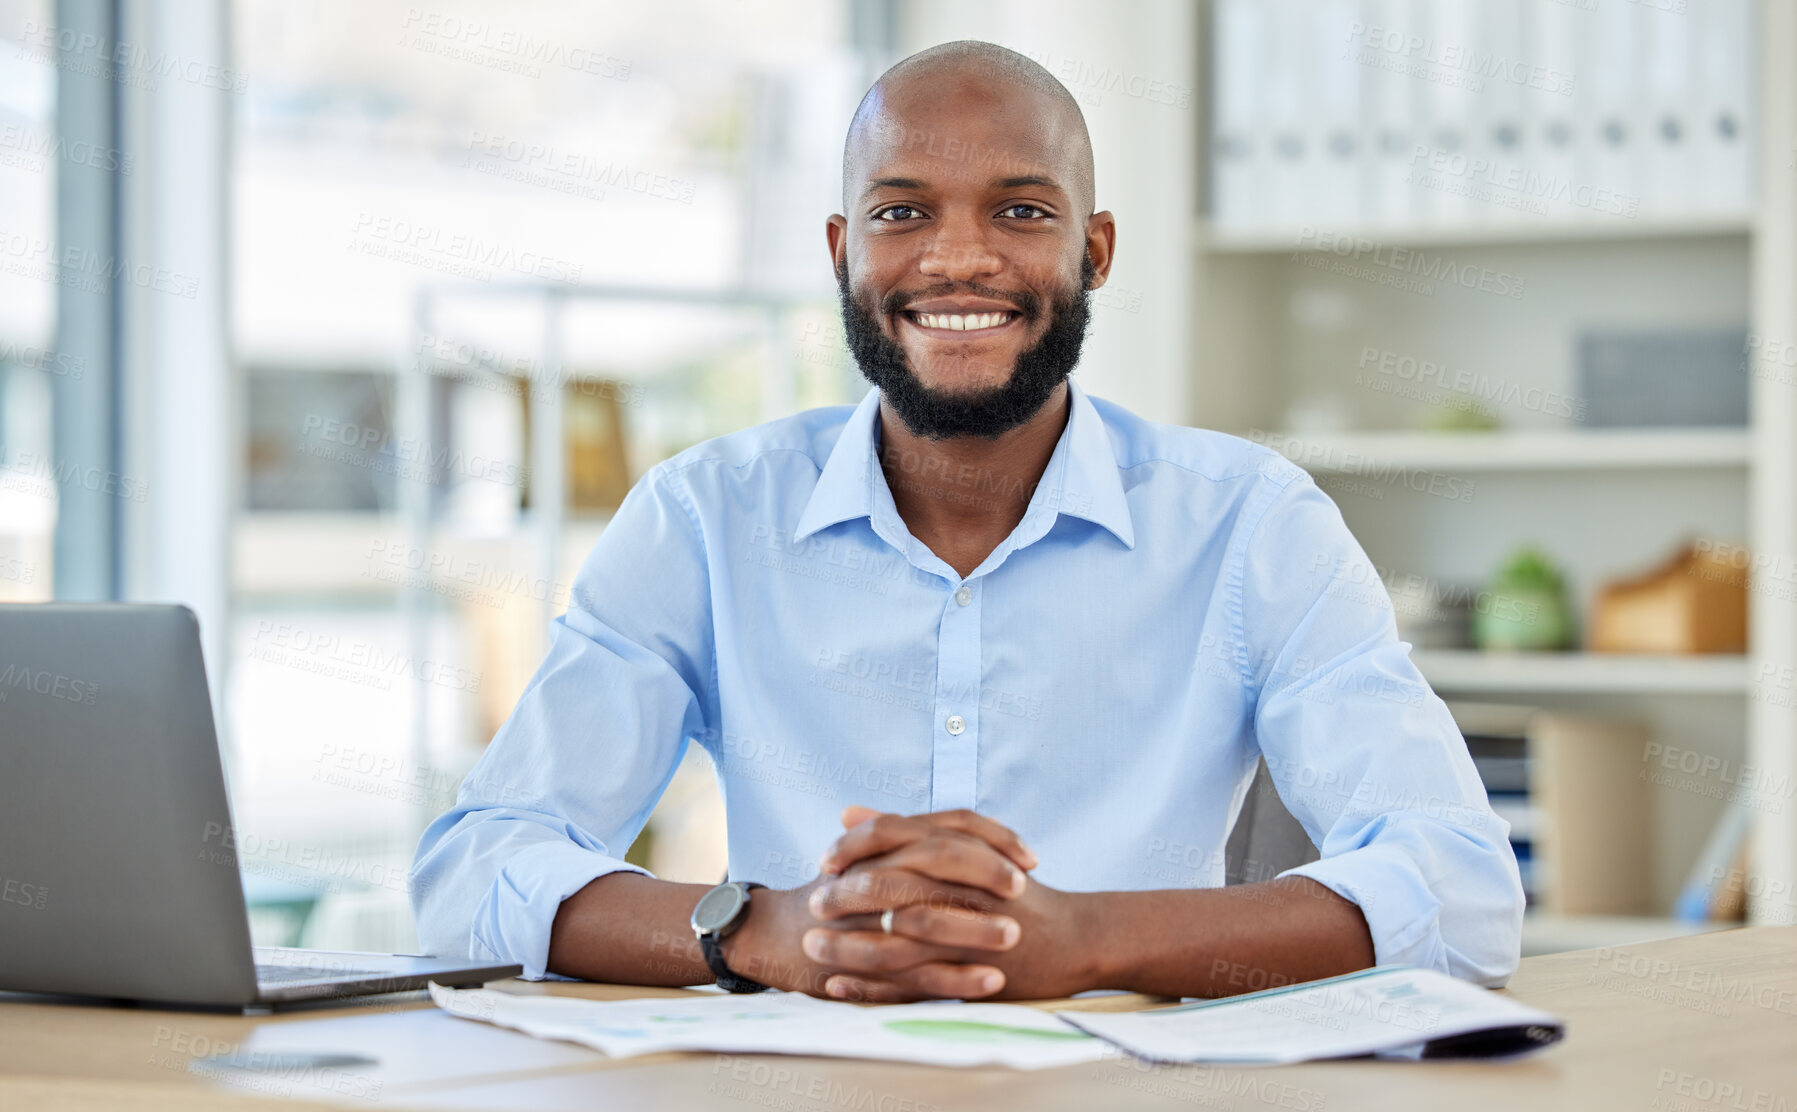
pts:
pixel 1706 1023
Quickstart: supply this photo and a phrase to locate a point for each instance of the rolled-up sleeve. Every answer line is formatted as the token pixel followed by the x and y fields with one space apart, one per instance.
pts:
pixel 1364 754
pixel 571 777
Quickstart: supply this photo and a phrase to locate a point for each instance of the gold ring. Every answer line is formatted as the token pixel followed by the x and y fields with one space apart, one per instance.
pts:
pixel 886 920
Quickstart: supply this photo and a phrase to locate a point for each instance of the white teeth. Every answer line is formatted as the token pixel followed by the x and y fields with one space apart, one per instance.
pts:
pixel 958 322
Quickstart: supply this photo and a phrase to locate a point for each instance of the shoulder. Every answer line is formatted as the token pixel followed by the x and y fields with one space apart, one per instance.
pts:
pixel 1182 455
pixel 801 443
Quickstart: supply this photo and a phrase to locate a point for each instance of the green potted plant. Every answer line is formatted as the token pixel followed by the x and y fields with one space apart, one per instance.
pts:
pixel 1525 607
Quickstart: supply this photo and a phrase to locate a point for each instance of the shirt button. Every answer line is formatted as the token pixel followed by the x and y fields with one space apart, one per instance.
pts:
pixel 955 724
pixel 964 595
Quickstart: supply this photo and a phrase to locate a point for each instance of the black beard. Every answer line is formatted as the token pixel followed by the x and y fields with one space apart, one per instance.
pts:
pixel 937 414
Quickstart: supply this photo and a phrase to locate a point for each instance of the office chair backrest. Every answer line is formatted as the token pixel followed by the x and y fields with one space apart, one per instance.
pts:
pixel 1266 840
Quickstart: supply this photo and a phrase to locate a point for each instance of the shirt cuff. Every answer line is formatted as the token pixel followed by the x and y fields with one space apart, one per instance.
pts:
pixel 1402 914
pixel 515 919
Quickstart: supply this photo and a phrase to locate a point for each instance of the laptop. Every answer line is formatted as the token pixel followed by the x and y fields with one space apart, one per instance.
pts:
pixel 119 874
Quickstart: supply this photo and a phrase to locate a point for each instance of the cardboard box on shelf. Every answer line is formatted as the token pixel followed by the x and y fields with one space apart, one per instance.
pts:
pixel 1696 602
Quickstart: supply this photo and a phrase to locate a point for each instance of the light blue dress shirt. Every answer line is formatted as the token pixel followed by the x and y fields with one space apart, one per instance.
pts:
pixel 1174 604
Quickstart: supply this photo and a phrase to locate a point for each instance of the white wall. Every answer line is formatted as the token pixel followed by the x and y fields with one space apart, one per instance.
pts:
pixel 1122 63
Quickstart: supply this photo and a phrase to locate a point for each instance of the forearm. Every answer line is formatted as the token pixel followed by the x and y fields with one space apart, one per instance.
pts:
pixel 1221 941
pixel 626 928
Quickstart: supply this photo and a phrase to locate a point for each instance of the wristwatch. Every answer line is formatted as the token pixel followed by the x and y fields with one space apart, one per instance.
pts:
pixel 719 912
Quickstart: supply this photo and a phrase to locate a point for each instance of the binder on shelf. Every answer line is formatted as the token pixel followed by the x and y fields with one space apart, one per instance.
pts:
pixel 1609 182
pixel 1360 116
pixel 1240 146
pixel 1291 158
pixel 1448 29
pixel 1554 128
pixel 1665 123
pixel 1516 809
pixel 1498 128
pixel 1389 134
pixel 1333 187
pixel 1722 123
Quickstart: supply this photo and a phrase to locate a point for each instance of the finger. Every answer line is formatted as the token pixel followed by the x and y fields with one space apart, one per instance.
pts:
pixel 955 927
pixel 875 890
pixel 855 814
pixel 930 981
pixel 955 858
pixel 960 933
pixel 875 832
pixel 862 922
pixel 868 952
pixel 965 934
pixel 857 990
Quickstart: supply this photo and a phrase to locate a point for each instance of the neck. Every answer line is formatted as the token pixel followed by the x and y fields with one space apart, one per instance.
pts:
pixel 968 492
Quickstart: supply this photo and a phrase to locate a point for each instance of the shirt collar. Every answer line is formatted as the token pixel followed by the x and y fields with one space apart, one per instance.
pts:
pixel 1081 479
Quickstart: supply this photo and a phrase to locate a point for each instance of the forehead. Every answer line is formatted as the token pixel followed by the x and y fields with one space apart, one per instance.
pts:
pixel 967 129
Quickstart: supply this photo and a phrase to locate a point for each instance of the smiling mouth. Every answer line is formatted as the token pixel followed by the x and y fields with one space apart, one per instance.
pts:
pixel 961 322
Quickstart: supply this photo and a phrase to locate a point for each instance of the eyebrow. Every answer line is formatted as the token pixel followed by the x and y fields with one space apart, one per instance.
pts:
pixel 1019 183
pixel 1002 183
pixel 892 183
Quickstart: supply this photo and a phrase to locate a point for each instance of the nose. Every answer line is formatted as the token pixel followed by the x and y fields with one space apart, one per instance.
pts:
pixel 959 251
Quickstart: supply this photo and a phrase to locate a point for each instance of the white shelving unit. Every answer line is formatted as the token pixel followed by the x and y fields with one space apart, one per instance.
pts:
pixel 1467 671
pixel 1276 327
pixel 1520 450
pixel 1772 727
pixel 1222 241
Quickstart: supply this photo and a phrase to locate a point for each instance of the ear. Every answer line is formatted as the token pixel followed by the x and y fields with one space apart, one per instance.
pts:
pixel 1101 245
pixel 836 234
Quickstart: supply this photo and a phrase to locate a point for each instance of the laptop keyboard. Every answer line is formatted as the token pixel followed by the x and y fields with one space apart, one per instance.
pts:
pixel 291 974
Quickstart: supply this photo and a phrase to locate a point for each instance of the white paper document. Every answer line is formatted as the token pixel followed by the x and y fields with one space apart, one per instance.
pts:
pixel 1391 1009
pixel 937 1034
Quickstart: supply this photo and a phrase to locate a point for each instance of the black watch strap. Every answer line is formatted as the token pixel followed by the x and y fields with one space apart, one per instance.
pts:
pixel 711 945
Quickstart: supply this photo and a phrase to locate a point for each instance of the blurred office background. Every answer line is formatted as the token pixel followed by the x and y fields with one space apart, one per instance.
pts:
pixel 348 324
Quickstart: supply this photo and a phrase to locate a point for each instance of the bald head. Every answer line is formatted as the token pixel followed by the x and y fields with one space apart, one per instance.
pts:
pixel 970 76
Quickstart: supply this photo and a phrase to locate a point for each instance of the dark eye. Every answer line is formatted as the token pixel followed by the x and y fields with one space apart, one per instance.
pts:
pixel 896 213
pixel 1023 212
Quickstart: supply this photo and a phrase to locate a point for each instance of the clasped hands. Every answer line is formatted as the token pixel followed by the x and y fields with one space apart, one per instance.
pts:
pixel 967 921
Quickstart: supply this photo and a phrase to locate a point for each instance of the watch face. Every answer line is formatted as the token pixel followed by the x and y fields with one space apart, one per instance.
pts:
pixel 718 908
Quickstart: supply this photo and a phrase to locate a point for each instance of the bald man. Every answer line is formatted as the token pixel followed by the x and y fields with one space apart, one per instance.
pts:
pixel 985 665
